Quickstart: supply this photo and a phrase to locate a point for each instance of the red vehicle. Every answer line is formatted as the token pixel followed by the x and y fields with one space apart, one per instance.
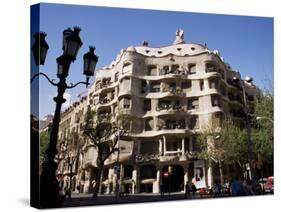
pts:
pixel 269 185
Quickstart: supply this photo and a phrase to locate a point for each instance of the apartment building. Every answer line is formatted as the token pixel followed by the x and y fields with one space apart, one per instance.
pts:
pixel 173 92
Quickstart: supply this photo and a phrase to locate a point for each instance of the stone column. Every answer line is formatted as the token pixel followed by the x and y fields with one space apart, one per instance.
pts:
pixel 182 146
pixel 164 141
pixel 160 146
pixel 185 176
pixel 206 84
pixel 156 184
pixel 190 145
pixel 135 177
pixel 210 179
pixel 121 176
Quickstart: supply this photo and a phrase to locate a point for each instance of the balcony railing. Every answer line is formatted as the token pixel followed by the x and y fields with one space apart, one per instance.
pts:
pixel 175 71
pixel 170 106
pixel 105 100
pixel 146 157
pixel 180 124
pixel 175 91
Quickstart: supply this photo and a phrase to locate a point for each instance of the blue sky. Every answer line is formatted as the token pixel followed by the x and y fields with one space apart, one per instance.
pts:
pixel 245 42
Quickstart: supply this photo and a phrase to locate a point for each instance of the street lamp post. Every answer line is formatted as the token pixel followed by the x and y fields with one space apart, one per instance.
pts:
pixel 70 162
pixel 118 166
pixel 249 139
pixel 49 188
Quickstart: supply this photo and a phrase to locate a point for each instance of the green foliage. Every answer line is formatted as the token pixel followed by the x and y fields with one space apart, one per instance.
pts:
pixel 100 132
pixel 44 142
pixel 226 144
pixel 263 132
pixel 103 135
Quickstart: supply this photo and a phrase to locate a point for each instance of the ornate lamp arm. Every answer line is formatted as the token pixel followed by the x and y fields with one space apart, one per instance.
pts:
pixel 45 75
pixel 78 83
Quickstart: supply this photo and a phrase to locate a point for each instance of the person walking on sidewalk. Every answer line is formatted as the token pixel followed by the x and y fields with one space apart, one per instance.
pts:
pixel 193 189
pixel 187 190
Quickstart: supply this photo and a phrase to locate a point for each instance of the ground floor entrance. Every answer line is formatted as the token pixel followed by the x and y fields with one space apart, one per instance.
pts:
pixel 172 178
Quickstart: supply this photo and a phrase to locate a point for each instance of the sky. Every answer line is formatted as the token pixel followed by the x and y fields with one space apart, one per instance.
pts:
pixel 245 42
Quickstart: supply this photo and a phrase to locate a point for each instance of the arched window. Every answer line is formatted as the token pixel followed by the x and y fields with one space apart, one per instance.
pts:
pixel 127 67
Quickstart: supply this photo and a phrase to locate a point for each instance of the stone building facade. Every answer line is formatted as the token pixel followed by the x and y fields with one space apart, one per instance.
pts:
pixel 173 92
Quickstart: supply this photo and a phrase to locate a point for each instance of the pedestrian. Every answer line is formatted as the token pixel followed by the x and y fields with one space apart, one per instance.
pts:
pixel 187 190
pixel 93 184
pixel 62 194
pixel 193 189
pixel 217 189
pixel 237 188
pixel 162 191
pixel 248 187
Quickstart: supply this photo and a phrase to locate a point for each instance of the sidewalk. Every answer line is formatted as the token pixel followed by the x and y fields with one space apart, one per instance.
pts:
pixel 86 199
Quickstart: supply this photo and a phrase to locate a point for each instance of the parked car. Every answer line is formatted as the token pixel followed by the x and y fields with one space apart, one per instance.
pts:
pixel 269 185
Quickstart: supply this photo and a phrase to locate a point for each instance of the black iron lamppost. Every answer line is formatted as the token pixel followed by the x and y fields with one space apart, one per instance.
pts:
pixel 247 121
pixel 70 163
pixel 49 189
pixel 40 48
pixel 117 167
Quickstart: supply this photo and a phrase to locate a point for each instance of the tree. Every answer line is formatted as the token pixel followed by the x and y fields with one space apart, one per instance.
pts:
pixel 263 129
pixel 103 135
pixel 44 142
pixel 223 145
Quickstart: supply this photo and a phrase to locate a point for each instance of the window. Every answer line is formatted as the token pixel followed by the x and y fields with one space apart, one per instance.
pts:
pixel 213 83
pixel 192 69
pixel 195 145
pixel 173 145
pixel 155 87
pixel 165 70
pixel 126 102
pixel 128 172
pixel 171 124
pixel 98 85
pixel 193 104
pixel 148 172
pixel 194 122
pixel 174 68
pixel 96 100
pixel 147 105
pixel 173 86
pixel 152 70
pixel 125 83
pixel 210 67
pixel 143 86
pixel 149 147
pixel 127 67
pixel 148 124
pixel 215 101
pixel 201 85
pixel 116 76
pixel 186 85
